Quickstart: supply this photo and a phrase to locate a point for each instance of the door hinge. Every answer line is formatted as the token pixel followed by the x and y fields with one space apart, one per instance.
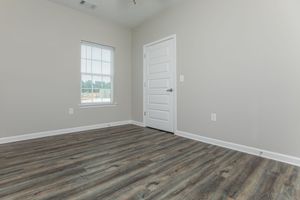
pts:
pixel 145 55
pixel 145 113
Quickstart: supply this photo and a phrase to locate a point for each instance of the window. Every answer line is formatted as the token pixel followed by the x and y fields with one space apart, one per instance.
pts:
pixel 96 74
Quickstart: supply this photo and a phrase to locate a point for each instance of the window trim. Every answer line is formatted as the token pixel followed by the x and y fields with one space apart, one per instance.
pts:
pixel 100 104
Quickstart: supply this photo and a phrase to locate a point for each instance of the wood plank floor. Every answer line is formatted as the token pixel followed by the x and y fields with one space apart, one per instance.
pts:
pixel 130 162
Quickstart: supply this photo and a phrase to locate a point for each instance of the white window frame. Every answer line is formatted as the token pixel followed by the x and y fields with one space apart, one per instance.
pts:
pixel 100 104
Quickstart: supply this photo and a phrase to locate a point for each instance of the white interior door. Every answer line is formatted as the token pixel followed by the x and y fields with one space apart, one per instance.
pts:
pixel 159 85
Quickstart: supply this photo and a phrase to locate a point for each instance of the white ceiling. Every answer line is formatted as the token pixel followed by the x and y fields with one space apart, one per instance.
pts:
pixel 122 11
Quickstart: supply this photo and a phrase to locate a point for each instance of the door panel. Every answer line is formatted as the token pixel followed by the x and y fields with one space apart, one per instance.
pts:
pixel 159 85
pixel 159 99
pixel 159 68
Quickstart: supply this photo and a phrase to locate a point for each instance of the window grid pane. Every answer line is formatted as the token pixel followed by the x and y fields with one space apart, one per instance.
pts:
pixel 96 74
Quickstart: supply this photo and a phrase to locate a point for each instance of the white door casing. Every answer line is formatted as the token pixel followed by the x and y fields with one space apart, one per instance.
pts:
pixel 160 84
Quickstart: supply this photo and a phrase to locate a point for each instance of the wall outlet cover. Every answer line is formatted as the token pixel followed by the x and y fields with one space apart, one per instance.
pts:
pixel 213 117
pixel 71 111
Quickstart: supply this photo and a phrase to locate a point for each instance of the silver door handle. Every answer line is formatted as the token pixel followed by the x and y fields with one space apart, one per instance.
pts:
pixel 170 90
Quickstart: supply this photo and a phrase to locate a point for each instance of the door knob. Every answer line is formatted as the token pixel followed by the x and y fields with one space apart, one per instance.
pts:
pixel 170 90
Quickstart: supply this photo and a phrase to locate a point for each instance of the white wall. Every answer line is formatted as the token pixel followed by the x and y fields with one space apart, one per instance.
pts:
pixel 40 67
pixel 241 59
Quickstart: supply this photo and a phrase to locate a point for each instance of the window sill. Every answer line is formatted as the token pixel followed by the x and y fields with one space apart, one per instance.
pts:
pixel 97 105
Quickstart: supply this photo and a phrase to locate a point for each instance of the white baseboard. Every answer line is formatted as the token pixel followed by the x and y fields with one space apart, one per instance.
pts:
pixel 242 148
pixel 60 132
pixel 141 124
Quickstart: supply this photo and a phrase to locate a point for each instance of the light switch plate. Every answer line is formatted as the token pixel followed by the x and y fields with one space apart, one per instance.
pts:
pixel 181 78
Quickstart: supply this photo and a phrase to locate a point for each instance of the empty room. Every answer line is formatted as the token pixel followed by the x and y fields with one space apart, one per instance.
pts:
pixel 150 99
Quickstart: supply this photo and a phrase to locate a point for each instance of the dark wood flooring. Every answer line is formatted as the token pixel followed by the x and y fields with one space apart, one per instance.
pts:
pixel 130 162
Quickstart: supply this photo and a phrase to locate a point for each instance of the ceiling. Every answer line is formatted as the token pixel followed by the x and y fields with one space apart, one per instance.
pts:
pixel 124 12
